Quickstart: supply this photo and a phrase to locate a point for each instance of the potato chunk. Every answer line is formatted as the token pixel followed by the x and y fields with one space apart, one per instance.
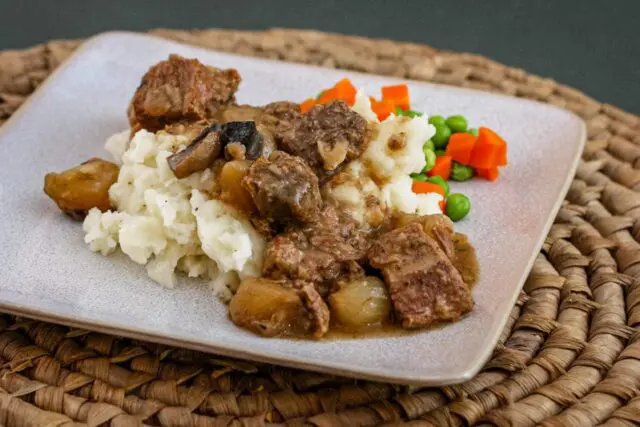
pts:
pixel 83 187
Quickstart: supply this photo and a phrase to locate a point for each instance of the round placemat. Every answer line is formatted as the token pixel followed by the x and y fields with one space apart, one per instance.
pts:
pixel 569 355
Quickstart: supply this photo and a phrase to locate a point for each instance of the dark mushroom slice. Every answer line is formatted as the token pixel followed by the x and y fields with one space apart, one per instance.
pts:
pixel 245 133
pixel 79 189
pixel 198 155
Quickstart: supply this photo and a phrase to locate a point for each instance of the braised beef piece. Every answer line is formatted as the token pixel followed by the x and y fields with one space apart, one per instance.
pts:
pixel 280 114
pixel 237 113
pixel 438 227
pixel 424 285
pixel 81 188
pixel 180 89
pixel 326 252
pixel 279 308
pixel 284 188
pixel 316 308
pixel 327 136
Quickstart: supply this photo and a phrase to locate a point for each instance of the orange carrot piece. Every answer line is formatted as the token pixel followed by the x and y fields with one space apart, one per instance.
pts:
pixel 346 91
pixel 460 147
pixel 328 96
pixel 488 174
pixel 398 95
pixel 382 108
pixel 443 205
pixel 442 167
pixel 307 105
pixel 490 150
pixel 420 187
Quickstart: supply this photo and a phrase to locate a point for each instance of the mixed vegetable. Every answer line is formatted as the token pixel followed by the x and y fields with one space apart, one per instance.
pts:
pixel 455 152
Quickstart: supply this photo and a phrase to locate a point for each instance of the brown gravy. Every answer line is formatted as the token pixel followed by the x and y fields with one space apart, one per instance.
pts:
pixel 465 261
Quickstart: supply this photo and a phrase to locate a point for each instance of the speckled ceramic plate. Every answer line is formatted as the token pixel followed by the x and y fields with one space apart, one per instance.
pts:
pixel 49 273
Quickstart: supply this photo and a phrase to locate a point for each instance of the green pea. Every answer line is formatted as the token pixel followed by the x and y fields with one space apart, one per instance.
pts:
pixel 438 180
pixel 441 136
pixel 456 123
pixel 473 131
pixel 430 157
pixel 461 172
pixel 458 206
pixel 407 113
pixel 428 146
pixel 440 153
pixel 437 120
pixel 419 177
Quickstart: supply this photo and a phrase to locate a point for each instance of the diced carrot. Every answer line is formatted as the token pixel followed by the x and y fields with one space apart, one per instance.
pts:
pixel 328 96
pixel 307 105
pixel 398 95
pixel 460 147
pixel 490 150
pixel 420 187
pixel 442 167
pixel 382 108
pixel 489 174
pixel 443 205
pixel 346 91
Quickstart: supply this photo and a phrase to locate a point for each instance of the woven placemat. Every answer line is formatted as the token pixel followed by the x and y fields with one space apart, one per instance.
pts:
pixel 569 356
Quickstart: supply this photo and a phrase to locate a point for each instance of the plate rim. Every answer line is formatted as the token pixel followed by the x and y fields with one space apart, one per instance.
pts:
pixel 462 375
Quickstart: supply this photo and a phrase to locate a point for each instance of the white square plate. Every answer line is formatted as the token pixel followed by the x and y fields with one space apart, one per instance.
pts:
pixel 49 273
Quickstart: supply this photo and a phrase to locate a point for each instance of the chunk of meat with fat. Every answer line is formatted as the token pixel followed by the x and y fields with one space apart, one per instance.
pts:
pixel 79 189
pixel 279 308
pixel 284 188
pixel 438 227
pixel 327 137
pixel 180 89
pixel 424 285
pixel 326 252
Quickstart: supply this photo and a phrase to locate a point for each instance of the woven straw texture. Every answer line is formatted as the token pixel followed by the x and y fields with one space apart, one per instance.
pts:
pixel 569 356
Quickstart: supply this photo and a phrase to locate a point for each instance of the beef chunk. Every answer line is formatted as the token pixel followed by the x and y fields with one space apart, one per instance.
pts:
pixel 327 137
pixel 281 114
pixel 237 113
pixel 180 89
pixel 438 227
pixel 79 189
pixel 284 188
pixel 424 285
pixel 326 252
pixel 279 308
pixel 317 310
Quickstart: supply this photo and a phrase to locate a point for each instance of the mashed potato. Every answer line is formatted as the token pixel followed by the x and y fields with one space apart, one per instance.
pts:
pixel 169 224
pixel 379 179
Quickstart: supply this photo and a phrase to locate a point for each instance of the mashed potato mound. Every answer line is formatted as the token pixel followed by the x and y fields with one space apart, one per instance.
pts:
pixel 169 224
pixel 379 179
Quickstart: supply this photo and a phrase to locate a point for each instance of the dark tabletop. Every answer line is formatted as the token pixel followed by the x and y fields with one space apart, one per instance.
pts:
pixel 591 45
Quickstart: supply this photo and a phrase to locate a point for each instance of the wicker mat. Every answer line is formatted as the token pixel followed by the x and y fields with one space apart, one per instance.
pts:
pixel 569 356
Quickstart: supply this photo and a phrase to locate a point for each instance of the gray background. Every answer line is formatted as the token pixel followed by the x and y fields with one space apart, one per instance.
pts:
pixel 591 45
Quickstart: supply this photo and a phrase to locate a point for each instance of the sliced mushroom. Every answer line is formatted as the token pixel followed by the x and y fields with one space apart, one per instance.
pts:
pixel 199 155
pixel 244 133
